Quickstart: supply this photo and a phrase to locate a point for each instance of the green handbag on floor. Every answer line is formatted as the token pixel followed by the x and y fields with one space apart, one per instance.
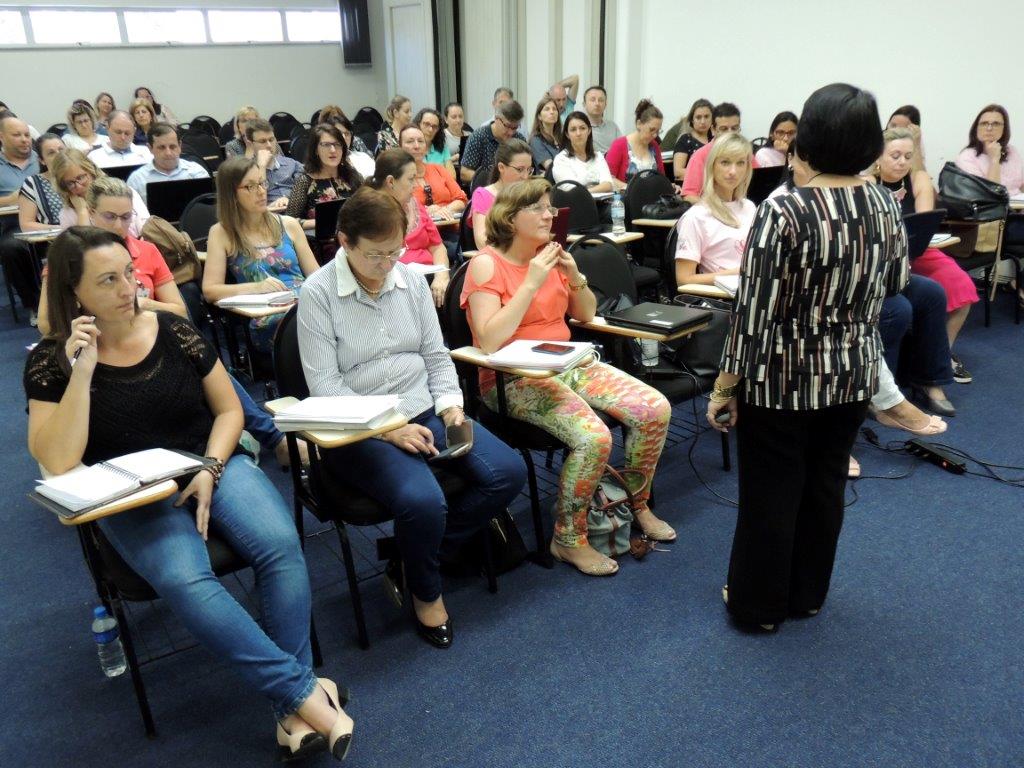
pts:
pixel 610 517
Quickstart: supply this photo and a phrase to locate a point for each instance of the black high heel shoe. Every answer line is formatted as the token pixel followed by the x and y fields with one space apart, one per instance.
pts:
pixel 439 637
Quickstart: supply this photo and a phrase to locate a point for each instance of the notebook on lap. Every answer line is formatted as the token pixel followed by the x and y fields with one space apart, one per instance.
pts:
pixel 659 318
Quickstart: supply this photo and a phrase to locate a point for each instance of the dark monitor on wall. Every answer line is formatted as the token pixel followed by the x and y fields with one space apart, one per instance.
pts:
pixel 355 33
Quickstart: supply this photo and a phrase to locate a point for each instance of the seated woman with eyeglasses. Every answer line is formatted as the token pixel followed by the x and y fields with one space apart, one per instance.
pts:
pixel 265 252
pixel 513 162
pixel 521 287
pixel 111 379
pixel 328 175
pixel 367 326
pixel 435 187
pixel 74 173
pixel 396 174
pixel 780 136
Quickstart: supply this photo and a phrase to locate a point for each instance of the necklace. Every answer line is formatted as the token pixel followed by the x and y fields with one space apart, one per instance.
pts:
pixel 367 291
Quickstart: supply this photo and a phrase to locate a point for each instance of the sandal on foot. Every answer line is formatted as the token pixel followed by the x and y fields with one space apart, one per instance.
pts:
pixel 606 567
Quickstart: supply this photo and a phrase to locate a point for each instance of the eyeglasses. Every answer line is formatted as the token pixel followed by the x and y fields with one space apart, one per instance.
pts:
pixel 110 218
pixel 511 126
pixel 329 145
pixel 428 193
pixel 80 180
pixel 541 209
pixel 522 170
pixel 380 258
pixel 785 134
pixel 990 124
pixel 251 188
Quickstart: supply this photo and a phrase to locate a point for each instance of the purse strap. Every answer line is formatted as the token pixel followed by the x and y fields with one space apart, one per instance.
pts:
pixel 619 475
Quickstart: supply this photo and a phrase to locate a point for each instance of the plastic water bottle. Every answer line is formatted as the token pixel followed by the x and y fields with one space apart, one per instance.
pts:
pixel 108 643
pixel 618 215
pixel 649 352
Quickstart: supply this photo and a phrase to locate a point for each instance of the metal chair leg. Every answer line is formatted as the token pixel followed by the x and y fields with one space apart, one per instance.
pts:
pixel 353 586
pixel 133 669
pixel 542 556
pixel 314 644
pixel 492 578
pixel 726 458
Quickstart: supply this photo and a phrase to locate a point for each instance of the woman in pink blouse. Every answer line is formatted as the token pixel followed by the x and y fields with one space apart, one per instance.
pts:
pixel 512 162
pixel 713 233
pixel 395 173
pixel 988 152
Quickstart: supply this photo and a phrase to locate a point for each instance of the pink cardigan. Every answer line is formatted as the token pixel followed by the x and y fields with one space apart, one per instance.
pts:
pixel 617 157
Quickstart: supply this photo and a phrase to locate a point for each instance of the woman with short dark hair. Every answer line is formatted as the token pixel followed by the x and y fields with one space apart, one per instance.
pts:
pixel 803 355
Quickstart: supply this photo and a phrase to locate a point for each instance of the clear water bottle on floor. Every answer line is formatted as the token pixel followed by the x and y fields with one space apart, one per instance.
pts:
pixel 618 215
pixel 649 352
pixel 108 642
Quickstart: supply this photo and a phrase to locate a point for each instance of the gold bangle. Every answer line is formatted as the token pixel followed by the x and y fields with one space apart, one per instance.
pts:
pixel 579 286
pixel 721 394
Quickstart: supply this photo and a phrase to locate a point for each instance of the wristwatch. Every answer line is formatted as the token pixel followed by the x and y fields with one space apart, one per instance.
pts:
pixel 580 285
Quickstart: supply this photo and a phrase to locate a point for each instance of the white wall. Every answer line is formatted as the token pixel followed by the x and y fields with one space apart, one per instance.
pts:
pixel 192 80
pixel 765 62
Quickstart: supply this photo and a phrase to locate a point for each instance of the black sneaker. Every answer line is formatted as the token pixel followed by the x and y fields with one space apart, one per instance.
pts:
pixel 960 374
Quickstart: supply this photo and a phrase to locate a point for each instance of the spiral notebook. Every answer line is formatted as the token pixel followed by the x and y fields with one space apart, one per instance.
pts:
pixel 84 489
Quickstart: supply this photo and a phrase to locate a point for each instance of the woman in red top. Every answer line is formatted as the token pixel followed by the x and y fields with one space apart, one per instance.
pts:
pixel 395 173
pixel 521 287
pixel 639 150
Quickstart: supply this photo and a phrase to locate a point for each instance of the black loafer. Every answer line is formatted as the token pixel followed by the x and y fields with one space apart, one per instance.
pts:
pixel 439 637
pixel 940 407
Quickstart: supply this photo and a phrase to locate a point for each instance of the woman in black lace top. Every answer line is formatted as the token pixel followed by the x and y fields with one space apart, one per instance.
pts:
pixel 803 355
pixel 327 176
pixel 110 380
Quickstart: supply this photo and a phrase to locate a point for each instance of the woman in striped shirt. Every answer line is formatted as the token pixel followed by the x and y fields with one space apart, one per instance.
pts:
pixel 802 358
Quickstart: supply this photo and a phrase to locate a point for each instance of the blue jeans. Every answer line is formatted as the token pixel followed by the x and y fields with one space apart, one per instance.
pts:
pixel 161 544
pixel 404 483
pixel 257 421
pixel 914 322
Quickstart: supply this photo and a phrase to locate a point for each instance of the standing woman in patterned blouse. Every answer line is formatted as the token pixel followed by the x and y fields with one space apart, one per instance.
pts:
pixel 802 358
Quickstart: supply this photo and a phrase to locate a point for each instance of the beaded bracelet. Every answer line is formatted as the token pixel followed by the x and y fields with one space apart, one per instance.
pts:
pixel 216 469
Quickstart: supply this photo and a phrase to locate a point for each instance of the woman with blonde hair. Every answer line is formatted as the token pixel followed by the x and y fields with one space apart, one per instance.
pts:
pixel 264 251
pixel 104 105
pixel 74 174
pixel 144 115
pixel 521 286
pixel 397 115
pixel 243 117
pixel 81 133
pixel 713 233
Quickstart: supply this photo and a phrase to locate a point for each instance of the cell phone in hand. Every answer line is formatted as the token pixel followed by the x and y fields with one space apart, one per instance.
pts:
pixel 550 348
pixel 560 228
pixel 458 440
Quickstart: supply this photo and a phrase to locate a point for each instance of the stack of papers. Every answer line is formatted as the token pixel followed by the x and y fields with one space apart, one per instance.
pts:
pixel 523 354
pixel 275 299
pixel 425 269
pixel 728 283
pixel 337 413
pixel 938 237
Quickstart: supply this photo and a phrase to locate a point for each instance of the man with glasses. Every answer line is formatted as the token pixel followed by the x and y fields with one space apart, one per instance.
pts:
pixel 726 118
pixel 18 161
pixel 483 143
pixel 281 171
pixel 120 150
pixel 166 164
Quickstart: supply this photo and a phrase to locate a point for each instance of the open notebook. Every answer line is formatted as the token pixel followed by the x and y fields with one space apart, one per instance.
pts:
pixel 83 489
pixel 340 412
pixel 275 299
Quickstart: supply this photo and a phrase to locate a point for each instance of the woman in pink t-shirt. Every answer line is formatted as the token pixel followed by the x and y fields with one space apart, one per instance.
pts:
pixel 521 287
pixel 395 173
pixel 512 162
pixel 713 233
pixel 989 153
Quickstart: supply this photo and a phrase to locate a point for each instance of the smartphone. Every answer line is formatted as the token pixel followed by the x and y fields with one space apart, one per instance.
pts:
pixel 550 348
pixel 560 228
pixel 459 441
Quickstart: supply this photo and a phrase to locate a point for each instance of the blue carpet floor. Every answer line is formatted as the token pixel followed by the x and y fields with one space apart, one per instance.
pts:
pixel 914 661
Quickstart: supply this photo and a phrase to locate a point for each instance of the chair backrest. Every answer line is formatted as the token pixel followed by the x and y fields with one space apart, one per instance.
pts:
pixel 668 261
pixel 226 132
pixel 920 228
pixel 369 139
pixel 764 181
pixel 314 118
pixel 59 128
pixel 466 239
pixel 583 215
pixel 291 381
pixel 481 178
pixel 283 124
pixel 646 187
pixel 193 157
pixel 197 218
pixel 205 123
pixel 760 143
pixel 184 128
pixel 299 130
pixel 367 119
pixel 605 267
pixel 297 149
pixel 204 145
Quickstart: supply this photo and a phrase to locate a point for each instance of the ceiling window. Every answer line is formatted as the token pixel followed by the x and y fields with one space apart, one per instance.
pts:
pixel 313 26
pixel 245 26
pixel 75 27
pixel 165 26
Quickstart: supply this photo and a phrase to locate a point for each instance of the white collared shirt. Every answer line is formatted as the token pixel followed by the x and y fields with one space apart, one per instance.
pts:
pixel 351 344
pixel 108 157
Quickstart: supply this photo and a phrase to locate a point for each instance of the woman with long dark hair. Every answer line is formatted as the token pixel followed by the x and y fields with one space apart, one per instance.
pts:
pixel 328 174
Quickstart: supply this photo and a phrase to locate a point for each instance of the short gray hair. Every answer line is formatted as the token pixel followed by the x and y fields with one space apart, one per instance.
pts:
pixel 510 111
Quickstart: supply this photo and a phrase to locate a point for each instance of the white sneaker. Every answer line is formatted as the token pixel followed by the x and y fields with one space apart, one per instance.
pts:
pixel 33 319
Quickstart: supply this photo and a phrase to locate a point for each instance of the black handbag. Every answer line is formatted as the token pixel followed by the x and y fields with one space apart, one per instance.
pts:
pixel 665 207
pixel 971 198
pixel 700 353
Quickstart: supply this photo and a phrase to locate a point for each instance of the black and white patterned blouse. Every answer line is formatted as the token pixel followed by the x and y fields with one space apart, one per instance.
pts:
pixel 47 200
pixel 818 264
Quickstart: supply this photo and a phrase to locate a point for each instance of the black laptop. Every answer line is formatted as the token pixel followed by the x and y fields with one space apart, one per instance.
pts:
pixel 167 199
pixel 659 318
pixel 121 172
pixel 763 182
pixel 326 217
pixel 921 227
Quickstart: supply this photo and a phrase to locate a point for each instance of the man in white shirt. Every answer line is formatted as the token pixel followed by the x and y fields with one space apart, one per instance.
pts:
pixel 120 150
pixel 166 164
pixel 595 101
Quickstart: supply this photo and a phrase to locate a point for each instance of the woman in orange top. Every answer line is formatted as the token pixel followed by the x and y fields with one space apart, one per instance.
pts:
pixel 521 286
pixel 435 187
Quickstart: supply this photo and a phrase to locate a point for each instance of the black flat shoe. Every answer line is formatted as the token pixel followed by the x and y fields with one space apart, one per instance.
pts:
pixel 941 406
pixel 394 581
pixel 439 637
